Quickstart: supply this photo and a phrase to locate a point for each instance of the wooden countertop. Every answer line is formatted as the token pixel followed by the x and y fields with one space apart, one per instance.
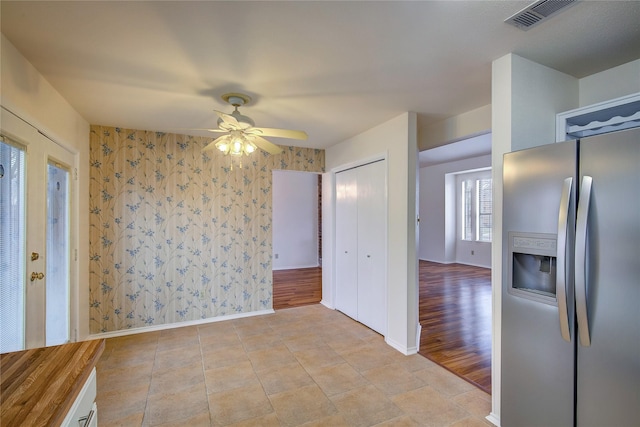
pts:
pixel 38 386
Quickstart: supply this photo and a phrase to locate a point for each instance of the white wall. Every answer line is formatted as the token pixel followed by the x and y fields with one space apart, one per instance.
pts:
pixel 538 93
pixel 28 95
pixel 613 83
pixel 462 126
pixel 295 220
pixel 328 233
pixel 396 141
pixel 437 198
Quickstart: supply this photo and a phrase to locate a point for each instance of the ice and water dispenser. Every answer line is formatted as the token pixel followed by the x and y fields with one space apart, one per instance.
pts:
pixel 532 266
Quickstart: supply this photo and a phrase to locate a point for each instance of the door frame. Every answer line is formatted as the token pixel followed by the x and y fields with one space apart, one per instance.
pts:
pixel 26 134
pixel 329 226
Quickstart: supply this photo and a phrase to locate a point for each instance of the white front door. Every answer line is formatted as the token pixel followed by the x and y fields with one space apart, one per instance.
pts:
pixel 35 235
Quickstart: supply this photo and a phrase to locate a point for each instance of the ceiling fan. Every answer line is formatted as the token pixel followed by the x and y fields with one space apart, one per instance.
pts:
pixel 242 137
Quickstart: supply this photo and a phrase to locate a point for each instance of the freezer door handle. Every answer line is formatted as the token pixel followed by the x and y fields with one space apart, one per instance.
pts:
pixel 561 256
pixel 582 220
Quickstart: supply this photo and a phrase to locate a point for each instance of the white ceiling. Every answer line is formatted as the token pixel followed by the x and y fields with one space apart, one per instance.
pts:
pixel 331 68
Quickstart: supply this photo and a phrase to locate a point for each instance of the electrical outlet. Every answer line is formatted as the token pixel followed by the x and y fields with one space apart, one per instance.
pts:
pixel 276 256
pixel 472 253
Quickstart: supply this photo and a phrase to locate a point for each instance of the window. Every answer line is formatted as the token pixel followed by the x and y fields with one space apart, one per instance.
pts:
pixel 484 203
pixel 476 206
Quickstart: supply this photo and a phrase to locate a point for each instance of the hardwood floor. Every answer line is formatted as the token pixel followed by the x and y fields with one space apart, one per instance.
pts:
pixel 294 288
pixel 455 314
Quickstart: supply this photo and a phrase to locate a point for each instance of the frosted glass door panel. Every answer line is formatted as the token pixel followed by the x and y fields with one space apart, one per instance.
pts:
pixel 12 247
pixel 57 269
pixel 347 243
pixel 372 231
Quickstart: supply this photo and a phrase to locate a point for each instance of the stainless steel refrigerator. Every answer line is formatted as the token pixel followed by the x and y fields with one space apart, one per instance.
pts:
pixel 571 284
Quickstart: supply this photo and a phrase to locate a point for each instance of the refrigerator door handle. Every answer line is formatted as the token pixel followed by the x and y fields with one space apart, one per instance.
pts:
pixel 561 256
pixel 582 220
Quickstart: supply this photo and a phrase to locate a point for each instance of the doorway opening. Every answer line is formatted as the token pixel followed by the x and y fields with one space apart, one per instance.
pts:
pixel 297 239
pixel 455 259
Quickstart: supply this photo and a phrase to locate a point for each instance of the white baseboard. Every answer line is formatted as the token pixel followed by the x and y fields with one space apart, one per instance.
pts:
pixel 473 265
pixel 407 351
pixel 327 304
pixel 437 261
pixel 493 419
pixel 455 262
pixel 140 330
pixel 295 267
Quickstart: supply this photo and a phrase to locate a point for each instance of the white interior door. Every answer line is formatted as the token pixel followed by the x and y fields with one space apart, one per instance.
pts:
pixel 347 243
pixel 36 226
pixel 361 235
pixel 372 260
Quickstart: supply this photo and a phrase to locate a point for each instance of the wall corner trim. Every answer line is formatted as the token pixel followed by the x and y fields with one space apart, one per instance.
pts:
pixel 407 351
pixel 327 304
pixel 493 419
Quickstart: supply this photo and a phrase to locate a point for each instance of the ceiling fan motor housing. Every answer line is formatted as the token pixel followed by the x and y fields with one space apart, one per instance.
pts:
pixel 238 100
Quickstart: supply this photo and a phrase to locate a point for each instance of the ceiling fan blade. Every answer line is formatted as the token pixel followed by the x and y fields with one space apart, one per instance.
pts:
pixel 280 133
pixel 207 129
pixel 228 121
pixel 212 144
pixel 265 145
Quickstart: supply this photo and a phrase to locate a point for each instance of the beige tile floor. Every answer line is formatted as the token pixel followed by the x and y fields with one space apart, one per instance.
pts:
pixel 307 366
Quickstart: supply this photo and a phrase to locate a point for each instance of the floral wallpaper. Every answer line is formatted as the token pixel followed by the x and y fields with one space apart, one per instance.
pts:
pixel 179 234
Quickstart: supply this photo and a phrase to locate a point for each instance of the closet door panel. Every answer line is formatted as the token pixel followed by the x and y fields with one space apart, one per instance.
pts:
pixel 372 231
pixel 347 243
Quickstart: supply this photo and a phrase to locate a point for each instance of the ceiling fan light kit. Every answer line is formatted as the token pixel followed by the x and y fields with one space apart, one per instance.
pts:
pixel 242 135
pixel 235 144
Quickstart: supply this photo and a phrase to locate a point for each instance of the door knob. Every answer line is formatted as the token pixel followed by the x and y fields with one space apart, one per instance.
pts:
pixel 38 276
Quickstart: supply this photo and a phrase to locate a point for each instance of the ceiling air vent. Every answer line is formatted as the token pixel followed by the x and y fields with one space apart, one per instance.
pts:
pixel 537 12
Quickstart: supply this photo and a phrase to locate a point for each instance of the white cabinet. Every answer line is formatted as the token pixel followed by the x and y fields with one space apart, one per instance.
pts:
pixel 609 116
pixel 361 233
pixel 84 412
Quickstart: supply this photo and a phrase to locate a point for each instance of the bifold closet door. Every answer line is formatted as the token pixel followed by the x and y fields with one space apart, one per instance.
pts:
pixel 372 262
pixel 361 264
pixel 347 243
